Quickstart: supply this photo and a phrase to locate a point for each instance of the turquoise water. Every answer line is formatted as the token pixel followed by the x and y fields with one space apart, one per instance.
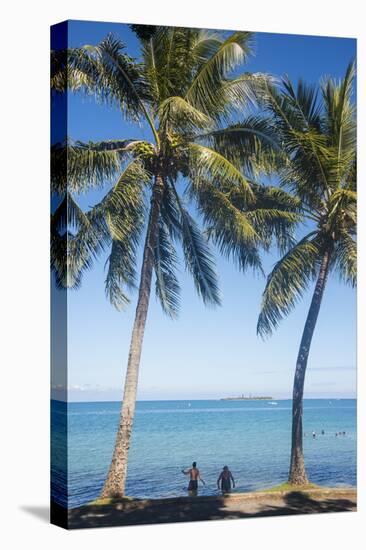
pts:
pixel 251 437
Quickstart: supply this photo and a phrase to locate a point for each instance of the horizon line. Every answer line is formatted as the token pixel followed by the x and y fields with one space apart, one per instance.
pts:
pixel 213 399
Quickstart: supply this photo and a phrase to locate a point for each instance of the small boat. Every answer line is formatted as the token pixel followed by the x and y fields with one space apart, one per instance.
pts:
pixel 272 403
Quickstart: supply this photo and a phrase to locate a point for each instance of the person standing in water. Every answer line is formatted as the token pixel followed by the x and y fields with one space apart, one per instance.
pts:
pixel 225 477
pixel 194 477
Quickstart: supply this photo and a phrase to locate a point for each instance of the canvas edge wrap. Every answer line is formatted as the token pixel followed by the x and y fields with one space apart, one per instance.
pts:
pixel 59 355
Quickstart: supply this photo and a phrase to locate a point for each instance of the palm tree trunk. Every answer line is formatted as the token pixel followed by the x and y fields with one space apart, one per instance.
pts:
pixel 297 474
pixel 115 483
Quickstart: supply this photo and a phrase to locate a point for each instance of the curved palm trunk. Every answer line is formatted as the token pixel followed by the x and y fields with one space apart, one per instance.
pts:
pixel 297 474
pixel 115 483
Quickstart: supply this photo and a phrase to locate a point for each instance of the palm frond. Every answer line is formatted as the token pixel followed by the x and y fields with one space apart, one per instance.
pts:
pixel 165 264
pixel 198 257
pixel 65 75
pixel 229 228
pixel 66 220
pixel 205 91
pixel 339 110
pixel 206 45
pixel 83 248
pixel 117 218
pixel 169 61
pixel 274 215
pixel 306 109
pixel 274 226
pixel 105 71
pixel 179 114
pixel 144 32
pixel 287 282
pixel 58 257
pixel 345 263
pixel 78 166
pixel 305 145
pixel 170 213
pixel 246 90
pixel 340 124
pixel 208 164
pixel 126 194
pixel 342 212
pixel 267 196
pixel 350 178
pixel 121 272
pixel 251 144
pixel 67 216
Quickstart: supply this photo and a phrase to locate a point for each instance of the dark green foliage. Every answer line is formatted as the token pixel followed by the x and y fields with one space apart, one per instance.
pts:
pixel 319 138
pixel 183 91
pixel 144 32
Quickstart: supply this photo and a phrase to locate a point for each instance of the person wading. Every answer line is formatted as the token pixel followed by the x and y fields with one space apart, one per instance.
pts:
pixel 194 477
pixel 225 477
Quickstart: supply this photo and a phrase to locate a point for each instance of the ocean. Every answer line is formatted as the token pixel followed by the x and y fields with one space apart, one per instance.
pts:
pixel 251 437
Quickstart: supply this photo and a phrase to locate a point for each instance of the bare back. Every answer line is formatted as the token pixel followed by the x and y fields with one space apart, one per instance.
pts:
pixel 194 474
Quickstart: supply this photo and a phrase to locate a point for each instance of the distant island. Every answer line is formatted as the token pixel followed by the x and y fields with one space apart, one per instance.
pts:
pixel 246 398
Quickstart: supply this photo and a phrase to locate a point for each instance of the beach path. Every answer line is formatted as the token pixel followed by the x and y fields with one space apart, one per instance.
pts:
pixel 234 506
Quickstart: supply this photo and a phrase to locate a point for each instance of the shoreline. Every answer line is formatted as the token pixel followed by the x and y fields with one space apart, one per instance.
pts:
pixel 129 511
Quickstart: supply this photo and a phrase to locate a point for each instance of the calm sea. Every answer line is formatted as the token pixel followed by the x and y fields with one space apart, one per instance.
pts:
pixel 251 437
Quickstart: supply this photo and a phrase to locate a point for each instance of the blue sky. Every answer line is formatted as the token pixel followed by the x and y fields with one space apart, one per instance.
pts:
pixel 208 353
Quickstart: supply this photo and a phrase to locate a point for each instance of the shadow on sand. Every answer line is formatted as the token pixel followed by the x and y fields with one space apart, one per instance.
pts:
pixel 138 512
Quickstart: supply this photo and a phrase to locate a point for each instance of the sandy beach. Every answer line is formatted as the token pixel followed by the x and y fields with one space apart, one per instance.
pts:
pixel 239 505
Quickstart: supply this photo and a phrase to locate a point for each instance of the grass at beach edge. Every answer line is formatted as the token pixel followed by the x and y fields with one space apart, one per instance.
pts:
pixel 284 487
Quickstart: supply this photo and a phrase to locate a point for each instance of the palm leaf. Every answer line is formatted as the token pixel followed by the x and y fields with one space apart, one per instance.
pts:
pixel 345 262
pixel 83 248
pixel 58 256
pixel 243 91
pixel 228 227
pixel 198 257
pixel 251 144
pixel 117 218
pixel 206 163
pixel 121 272
pixel 170 213
pixel 273 225
pixel 205 91
pixel 126 195
pixel 79 166
pixel 340 124
pixel 342 211
pixel 67 216
pixel 273 215
pixel 287 282
pixel 165 263
pixel 169 61
pixel 104 71
pixel 304 144
pixel 144 32
pixel 178 113
pixel 304 102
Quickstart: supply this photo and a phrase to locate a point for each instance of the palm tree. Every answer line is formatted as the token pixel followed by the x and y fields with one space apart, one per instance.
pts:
pixel 319 139
pixel 181 92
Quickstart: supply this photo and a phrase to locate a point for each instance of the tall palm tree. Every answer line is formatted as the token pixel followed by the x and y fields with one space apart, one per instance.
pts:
pixel 181 92
pixel 319 139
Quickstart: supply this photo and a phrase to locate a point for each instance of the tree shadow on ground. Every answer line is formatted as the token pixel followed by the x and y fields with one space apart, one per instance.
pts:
pixel 135 512
pixel 303 504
